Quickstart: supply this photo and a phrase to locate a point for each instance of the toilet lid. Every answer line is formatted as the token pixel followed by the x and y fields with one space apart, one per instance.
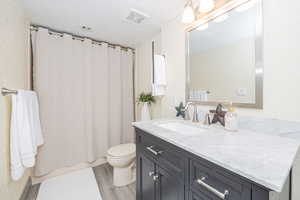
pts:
pixel 122 150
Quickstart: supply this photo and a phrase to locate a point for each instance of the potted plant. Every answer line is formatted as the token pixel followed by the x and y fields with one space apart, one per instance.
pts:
pixel 146 99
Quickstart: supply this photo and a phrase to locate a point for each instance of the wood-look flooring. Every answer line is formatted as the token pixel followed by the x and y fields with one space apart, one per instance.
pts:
pixel 108 191
pixel 103 176
pixel 32 194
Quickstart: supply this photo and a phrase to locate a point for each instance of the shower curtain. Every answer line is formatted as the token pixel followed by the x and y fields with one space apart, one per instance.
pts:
pixel 85 93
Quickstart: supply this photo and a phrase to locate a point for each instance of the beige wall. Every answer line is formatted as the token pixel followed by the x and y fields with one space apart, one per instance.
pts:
pixel 14 62
pixel 224 70
pixel 143 73
pixel 282 65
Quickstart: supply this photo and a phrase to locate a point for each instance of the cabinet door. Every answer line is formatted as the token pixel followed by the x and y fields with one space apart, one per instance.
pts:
pixel 194 196
pixel 146 186
pixel 169 187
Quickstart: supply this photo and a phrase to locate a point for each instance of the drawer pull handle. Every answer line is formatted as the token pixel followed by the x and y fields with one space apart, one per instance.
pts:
pixel 212 189
pixel 153 151
pixel 155 177
pixel 151 174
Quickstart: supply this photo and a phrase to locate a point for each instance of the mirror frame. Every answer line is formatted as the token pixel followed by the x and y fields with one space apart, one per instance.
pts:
pixel 259 59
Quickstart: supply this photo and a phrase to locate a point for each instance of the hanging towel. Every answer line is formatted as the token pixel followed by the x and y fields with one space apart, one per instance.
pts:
pixel 202 94
pixel 17 168
pixel 199 95
pixel 26 134
pixel 159 73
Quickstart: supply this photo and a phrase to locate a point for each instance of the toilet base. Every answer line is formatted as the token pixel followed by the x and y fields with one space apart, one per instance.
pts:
pixel 123 176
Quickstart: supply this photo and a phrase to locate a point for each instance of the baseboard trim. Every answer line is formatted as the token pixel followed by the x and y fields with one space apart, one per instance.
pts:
pixel 26 189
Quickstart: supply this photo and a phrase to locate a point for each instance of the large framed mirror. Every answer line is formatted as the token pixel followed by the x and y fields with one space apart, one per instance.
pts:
pixel 225 58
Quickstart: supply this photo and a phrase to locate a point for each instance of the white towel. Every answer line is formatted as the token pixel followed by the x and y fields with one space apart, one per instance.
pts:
pixel 17 168
pixel 160 83
pixel 202 95
pixel 26 134
pixel 158 90
pixel 199 95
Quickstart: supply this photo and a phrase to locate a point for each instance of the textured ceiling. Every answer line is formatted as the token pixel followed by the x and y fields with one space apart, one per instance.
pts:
pixel 105 17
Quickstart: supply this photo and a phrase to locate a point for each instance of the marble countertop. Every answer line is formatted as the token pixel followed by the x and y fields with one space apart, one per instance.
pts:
pixel 261 155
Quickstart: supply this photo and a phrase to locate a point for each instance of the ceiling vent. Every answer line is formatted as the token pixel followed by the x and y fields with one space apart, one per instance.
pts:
pixel 86 28
pixel 136 16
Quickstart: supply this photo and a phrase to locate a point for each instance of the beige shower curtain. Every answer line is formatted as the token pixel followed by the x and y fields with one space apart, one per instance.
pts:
pixel 85 92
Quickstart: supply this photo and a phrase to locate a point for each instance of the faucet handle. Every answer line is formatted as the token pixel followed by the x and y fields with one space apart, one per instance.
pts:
pixel 207 119
pixel 187 114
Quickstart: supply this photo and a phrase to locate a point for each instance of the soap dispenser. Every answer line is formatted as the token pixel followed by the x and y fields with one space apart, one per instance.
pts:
pixel 231 119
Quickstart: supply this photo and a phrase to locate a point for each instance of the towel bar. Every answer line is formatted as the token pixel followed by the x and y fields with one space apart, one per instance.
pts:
pixel 5 91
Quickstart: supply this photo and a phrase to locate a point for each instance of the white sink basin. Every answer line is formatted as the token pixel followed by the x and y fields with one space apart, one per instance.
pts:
pixel 182 128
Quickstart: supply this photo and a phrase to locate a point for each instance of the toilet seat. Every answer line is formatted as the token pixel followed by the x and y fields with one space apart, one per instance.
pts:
pixel 122 150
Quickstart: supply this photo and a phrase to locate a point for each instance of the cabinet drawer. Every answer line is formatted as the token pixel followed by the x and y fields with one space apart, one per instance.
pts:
pixel 209 180
pixel 162 152
pixel 199 196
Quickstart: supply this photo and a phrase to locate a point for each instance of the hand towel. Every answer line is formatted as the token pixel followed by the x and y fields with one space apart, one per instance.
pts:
pixel 26 134
pixel 17 168
pixel 159 70
pixel 199 95
pixel 159 73
pixel 203 95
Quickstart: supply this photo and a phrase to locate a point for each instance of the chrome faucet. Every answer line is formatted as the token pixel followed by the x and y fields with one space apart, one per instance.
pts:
pixel 186 111
pixel 195 114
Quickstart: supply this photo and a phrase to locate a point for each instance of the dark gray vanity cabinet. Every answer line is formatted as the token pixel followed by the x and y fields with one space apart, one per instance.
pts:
pixel 169 187
pixel 167 172
pixel 147 186
pixel 156 183
pixel 158 175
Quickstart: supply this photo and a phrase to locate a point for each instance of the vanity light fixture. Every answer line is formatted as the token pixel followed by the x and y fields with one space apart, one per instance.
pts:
pixel 206 6
pixel 188 13
pixel 246 6
pixel 221 18
pixel 202 27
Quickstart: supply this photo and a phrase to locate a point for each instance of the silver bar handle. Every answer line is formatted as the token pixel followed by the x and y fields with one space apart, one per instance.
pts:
pixel 151 174
pixel 155 177
pixel 153 151
pixel 212 189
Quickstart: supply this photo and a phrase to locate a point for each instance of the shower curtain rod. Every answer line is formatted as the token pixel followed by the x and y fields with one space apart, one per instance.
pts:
pixel 80 38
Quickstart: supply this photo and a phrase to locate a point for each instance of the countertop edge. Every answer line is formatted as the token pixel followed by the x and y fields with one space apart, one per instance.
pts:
pixel 263 183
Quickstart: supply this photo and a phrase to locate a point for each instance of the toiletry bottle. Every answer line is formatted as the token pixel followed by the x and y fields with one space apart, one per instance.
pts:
pixel 231 119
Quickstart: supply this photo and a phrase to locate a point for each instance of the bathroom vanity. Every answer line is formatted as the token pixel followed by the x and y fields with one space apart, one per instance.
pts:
pixel 178 160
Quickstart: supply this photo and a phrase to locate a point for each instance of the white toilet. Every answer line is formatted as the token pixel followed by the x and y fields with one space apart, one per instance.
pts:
pixel 122 159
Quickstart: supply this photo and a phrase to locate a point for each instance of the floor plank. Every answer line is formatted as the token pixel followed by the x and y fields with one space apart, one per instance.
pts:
pixel 32 194
pixel 104 175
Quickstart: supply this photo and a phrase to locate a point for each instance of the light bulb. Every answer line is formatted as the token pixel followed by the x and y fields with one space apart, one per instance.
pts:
pixel 221 18
pixel 188 15
pixel 259 71
pixel 206 5
pixel 202 27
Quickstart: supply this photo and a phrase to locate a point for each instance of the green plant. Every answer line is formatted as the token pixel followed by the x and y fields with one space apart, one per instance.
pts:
pixel 146 98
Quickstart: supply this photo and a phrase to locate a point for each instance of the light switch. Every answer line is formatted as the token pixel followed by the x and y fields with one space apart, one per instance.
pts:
pixel 242 92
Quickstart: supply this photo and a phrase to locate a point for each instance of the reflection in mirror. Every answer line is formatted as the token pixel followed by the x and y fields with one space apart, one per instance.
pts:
pixel 223 58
